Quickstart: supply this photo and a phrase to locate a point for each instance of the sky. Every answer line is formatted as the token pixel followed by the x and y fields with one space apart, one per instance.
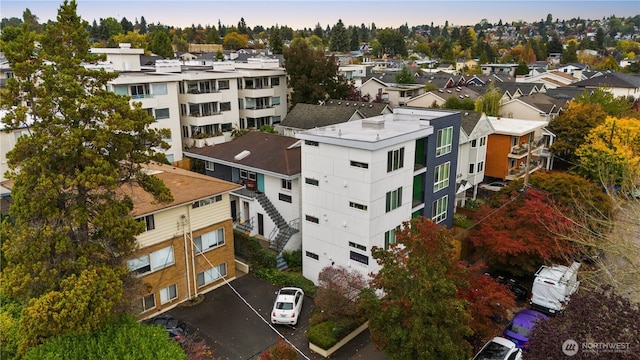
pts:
pixel 299 14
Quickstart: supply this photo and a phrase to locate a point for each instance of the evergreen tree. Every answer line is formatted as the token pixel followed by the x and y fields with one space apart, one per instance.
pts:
pixel 126 25
pixel 339 38
pixel 405 76
pixel 143 25
pixel 70 231
pixel 275 42
pixel 354 44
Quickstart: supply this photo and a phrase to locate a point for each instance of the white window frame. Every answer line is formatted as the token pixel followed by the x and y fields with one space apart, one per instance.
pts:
pixel 393 199
pixel 444 141
pixel 209 165
pixel 439 210
pixel 168 294
pixel 161 115
pixel 152 261
pixel 395 159
pixel 210 240
pixel 159 89
pixel 441 174
pixel 208 276
pixel 286 184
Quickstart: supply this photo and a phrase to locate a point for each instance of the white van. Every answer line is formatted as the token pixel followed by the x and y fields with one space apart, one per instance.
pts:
pixel 553 286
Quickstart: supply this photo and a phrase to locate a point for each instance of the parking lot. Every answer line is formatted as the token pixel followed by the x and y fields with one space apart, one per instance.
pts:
pixel 234 331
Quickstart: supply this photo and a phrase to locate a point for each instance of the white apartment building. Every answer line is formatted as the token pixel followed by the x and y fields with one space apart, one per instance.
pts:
pixel 362 179
pixel 262 92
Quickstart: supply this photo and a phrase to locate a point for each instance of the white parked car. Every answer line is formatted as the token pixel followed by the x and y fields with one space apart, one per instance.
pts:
pixel 493 186
pixel 499 348
pixel 288 306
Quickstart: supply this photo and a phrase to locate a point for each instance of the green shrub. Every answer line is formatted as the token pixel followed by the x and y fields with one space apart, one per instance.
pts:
pixel 293 259
pixel 326 334
pixel 249 248
pixel 472 204
pixel 462 220
pixel 126 339
pixel 283 279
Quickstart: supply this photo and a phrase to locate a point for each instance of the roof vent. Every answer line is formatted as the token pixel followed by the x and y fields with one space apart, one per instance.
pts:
pixel 242 155
pixel 373 123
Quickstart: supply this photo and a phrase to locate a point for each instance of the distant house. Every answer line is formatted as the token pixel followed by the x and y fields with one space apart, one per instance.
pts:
pixel 437 98
pixel 331 112
pixel 509 69
pixel 472 153
pixel 532 107
pixel 393 94
pixel 550 79
pixel 619 84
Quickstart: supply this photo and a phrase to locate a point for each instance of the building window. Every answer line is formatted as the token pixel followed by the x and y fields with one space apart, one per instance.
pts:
pixel 209 165
pixel 445 139
pixel 149 222
pixel 169 293
pixel 394 199
pixel 244 174
pixel 223 84
pixel 211 275
pixel 364 259
pixel 312 219
pixel 275 81
pixel 275 100
pixel 185 131
pixel 151 262
pixel 471 168
pixel 285 197
pixel 357 206
pixel 310 181
pixel 225 106
pixel 311 143
pixel 515 140
pixel 439 210
pixel 159 89
pixel 359 164
pixel 395 159
pixel 312 255
pixel 207 201
pixel 474 143
pixel 162 113
pixel 480 166
pixel 286 184
pixel 209 240
pixel 441 176
pixel 139 91
pixel 357 246
pixel 145 304
pixel 483 141
pixel 390 238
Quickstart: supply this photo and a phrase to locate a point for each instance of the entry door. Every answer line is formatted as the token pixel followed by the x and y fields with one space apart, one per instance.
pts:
pixel 260 224
pixel 234 211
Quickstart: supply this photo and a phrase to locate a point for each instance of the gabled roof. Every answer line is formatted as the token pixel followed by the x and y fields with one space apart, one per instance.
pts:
pixel 186 186
pixel 542 103
pixel 470 120
pixel 612 79
pixel 565 92
pixel 513 87
pixel 367 109
pixel 266 152
pixel 309 116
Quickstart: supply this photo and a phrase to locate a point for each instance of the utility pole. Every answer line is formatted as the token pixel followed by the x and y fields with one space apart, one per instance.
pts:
pixel 526 168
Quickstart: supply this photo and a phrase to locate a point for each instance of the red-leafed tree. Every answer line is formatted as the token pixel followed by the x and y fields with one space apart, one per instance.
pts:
pixel 522 233
pixel 489 302
pixel 338 292
pixel 282 350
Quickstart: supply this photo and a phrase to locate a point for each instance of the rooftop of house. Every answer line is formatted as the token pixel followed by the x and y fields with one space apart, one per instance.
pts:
pixel 404 124
pixel 611 79
pixel 470 120
pixel 186 186
pixel 255 150
pixel 515 127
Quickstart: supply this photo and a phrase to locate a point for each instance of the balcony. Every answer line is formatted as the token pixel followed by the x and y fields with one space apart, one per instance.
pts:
pixel 520 171
pixel 258 112
pixel 203 119
pixel 521 151
pixel 202 140
pixel 198 97
pixel 258 92
pixel 148 101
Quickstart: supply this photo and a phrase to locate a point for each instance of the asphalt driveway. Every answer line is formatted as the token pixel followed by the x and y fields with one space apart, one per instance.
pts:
pixel 234 331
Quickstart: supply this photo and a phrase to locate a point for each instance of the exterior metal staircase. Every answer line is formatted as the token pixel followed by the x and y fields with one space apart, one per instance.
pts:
pixel 283 230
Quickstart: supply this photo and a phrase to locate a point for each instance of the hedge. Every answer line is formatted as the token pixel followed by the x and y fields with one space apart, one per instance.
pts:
pixel 283 279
